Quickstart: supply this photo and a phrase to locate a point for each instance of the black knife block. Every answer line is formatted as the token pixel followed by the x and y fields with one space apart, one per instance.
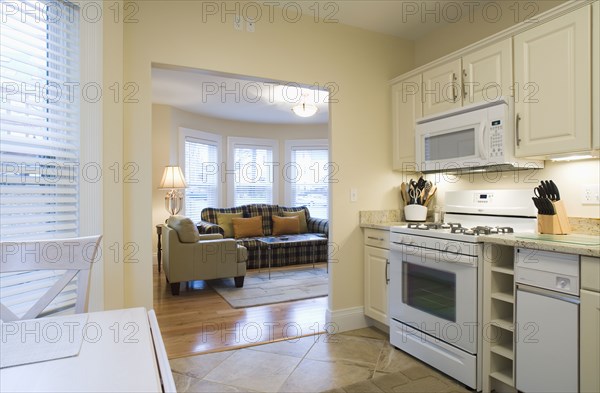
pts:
pixel 557 224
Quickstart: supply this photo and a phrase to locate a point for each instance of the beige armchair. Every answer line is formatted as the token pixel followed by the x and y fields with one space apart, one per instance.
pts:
pixel 190 256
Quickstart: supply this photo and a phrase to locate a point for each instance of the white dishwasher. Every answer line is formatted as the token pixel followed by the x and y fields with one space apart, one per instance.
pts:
pixel 547 321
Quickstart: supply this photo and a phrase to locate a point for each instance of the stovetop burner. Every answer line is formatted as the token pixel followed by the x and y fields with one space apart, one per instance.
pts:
pixel 481 230
pixel 457 228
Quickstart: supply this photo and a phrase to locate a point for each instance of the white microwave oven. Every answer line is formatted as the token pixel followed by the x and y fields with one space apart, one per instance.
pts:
pixel 475 137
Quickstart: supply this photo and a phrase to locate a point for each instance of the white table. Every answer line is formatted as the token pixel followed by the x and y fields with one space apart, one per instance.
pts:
pixel 119 353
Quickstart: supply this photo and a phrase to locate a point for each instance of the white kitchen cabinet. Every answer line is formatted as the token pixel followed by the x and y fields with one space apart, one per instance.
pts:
pixel 553 86
pixel 596 75
pixel 589 324
pixel 377 256
pixel 487 73
pixel 407 106
pixel 442 88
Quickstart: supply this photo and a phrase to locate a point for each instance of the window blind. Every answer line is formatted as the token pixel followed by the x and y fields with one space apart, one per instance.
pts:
pixel 307 178
pixel 253 179
pixel 39 135
pixel 201 174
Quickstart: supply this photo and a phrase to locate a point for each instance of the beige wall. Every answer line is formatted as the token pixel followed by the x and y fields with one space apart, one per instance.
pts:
pixel 359 63
pixel 456 35
pixel 166 121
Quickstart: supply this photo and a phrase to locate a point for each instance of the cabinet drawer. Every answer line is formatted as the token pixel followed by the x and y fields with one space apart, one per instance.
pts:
pixel 377 238
pixel 590 273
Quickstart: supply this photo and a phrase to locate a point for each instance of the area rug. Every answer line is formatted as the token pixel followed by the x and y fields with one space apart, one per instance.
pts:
pixel 284 286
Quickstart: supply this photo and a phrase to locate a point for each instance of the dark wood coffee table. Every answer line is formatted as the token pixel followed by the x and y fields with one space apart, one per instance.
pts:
pixel 272 241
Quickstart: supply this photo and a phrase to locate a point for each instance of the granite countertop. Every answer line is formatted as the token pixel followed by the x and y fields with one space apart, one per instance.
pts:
pixel 382 225
pixel 570 244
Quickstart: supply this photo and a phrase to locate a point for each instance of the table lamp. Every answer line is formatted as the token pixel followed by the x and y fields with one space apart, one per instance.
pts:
pixel 173 181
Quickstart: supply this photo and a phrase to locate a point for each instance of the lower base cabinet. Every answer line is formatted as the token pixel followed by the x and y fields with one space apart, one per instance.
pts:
pixel 376 261
pixel 589 326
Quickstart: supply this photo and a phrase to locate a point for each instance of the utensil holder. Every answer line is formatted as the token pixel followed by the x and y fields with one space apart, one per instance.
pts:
pixel 415 213
pixel 557 224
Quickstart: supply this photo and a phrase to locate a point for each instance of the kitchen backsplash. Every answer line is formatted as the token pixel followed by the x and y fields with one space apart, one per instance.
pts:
pixel 588 226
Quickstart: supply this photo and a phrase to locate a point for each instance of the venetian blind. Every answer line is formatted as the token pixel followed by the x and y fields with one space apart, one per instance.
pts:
pixel 253 179
pixel 201 175
pixel 307 178
pixel 39 135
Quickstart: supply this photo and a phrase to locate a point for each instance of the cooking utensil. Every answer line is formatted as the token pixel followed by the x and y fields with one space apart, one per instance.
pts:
pixel 404 194
pixel 431 194
pixel 414 195
pixel 426 191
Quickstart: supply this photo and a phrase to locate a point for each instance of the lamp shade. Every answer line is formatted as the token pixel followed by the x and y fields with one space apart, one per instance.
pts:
pixel 172 178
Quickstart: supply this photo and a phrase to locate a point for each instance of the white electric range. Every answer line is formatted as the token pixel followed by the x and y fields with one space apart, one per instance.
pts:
pixel 435 288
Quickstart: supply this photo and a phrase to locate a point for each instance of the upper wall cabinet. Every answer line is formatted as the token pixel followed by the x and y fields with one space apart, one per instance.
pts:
pixel 487 73
pixel 483 75
pixel 407 106
pixel 596 75
pixel 441 88
pixel 553 86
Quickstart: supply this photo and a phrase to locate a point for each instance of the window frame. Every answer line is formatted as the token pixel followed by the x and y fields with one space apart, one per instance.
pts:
pixel 232 143
pixel 210 138
pixel 304 144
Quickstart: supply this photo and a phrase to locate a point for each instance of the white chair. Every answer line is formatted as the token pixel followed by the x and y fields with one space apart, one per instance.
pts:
pixel 75 256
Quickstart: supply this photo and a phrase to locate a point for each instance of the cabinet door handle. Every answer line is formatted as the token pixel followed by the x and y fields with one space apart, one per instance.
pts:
pixel 465 92
pixel 517 136
pixel 454 92
pixel 375 238
pixel 387 265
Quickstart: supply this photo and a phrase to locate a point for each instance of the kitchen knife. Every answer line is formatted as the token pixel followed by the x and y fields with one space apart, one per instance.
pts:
pixel 555 191
pixel 549 207
pixel 536 202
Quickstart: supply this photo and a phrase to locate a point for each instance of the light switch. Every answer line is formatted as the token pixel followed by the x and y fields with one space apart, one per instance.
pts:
pixel 353 194
pixel 590 194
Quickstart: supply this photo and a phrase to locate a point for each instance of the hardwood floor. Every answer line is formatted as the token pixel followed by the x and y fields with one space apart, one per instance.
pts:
pixel 201 321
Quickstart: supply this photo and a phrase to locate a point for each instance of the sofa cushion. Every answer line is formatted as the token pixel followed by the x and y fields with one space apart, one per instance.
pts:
pixel 224 221
pixel 265 211
pixel 185 228
pixel 286 225
pixel 209 214
pixel 284 209
pixel 301 214
pixel 247 227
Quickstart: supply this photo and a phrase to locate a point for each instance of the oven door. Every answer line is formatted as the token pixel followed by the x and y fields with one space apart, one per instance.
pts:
pixel 436 293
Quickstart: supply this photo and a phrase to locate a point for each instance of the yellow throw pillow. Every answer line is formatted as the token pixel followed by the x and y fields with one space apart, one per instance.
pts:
pixel 301 218
pixel 286 225
pixel 247 227
pixel 224 221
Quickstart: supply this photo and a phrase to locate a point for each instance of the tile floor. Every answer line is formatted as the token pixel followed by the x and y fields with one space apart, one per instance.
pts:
pixel 357 361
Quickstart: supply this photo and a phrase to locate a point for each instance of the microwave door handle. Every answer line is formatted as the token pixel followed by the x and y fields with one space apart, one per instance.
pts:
pixel 482 149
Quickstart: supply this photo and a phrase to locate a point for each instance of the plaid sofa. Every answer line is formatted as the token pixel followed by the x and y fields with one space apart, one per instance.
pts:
pixel 284 254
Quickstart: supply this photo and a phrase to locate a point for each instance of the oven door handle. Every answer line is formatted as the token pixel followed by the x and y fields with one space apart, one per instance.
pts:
pixel 437 259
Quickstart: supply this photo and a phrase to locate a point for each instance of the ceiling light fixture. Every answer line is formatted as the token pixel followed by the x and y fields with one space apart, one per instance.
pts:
pixel 305 110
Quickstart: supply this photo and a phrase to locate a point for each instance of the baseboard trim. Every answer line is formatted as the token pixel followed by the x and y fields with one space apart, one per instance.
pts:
pixel 347 319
